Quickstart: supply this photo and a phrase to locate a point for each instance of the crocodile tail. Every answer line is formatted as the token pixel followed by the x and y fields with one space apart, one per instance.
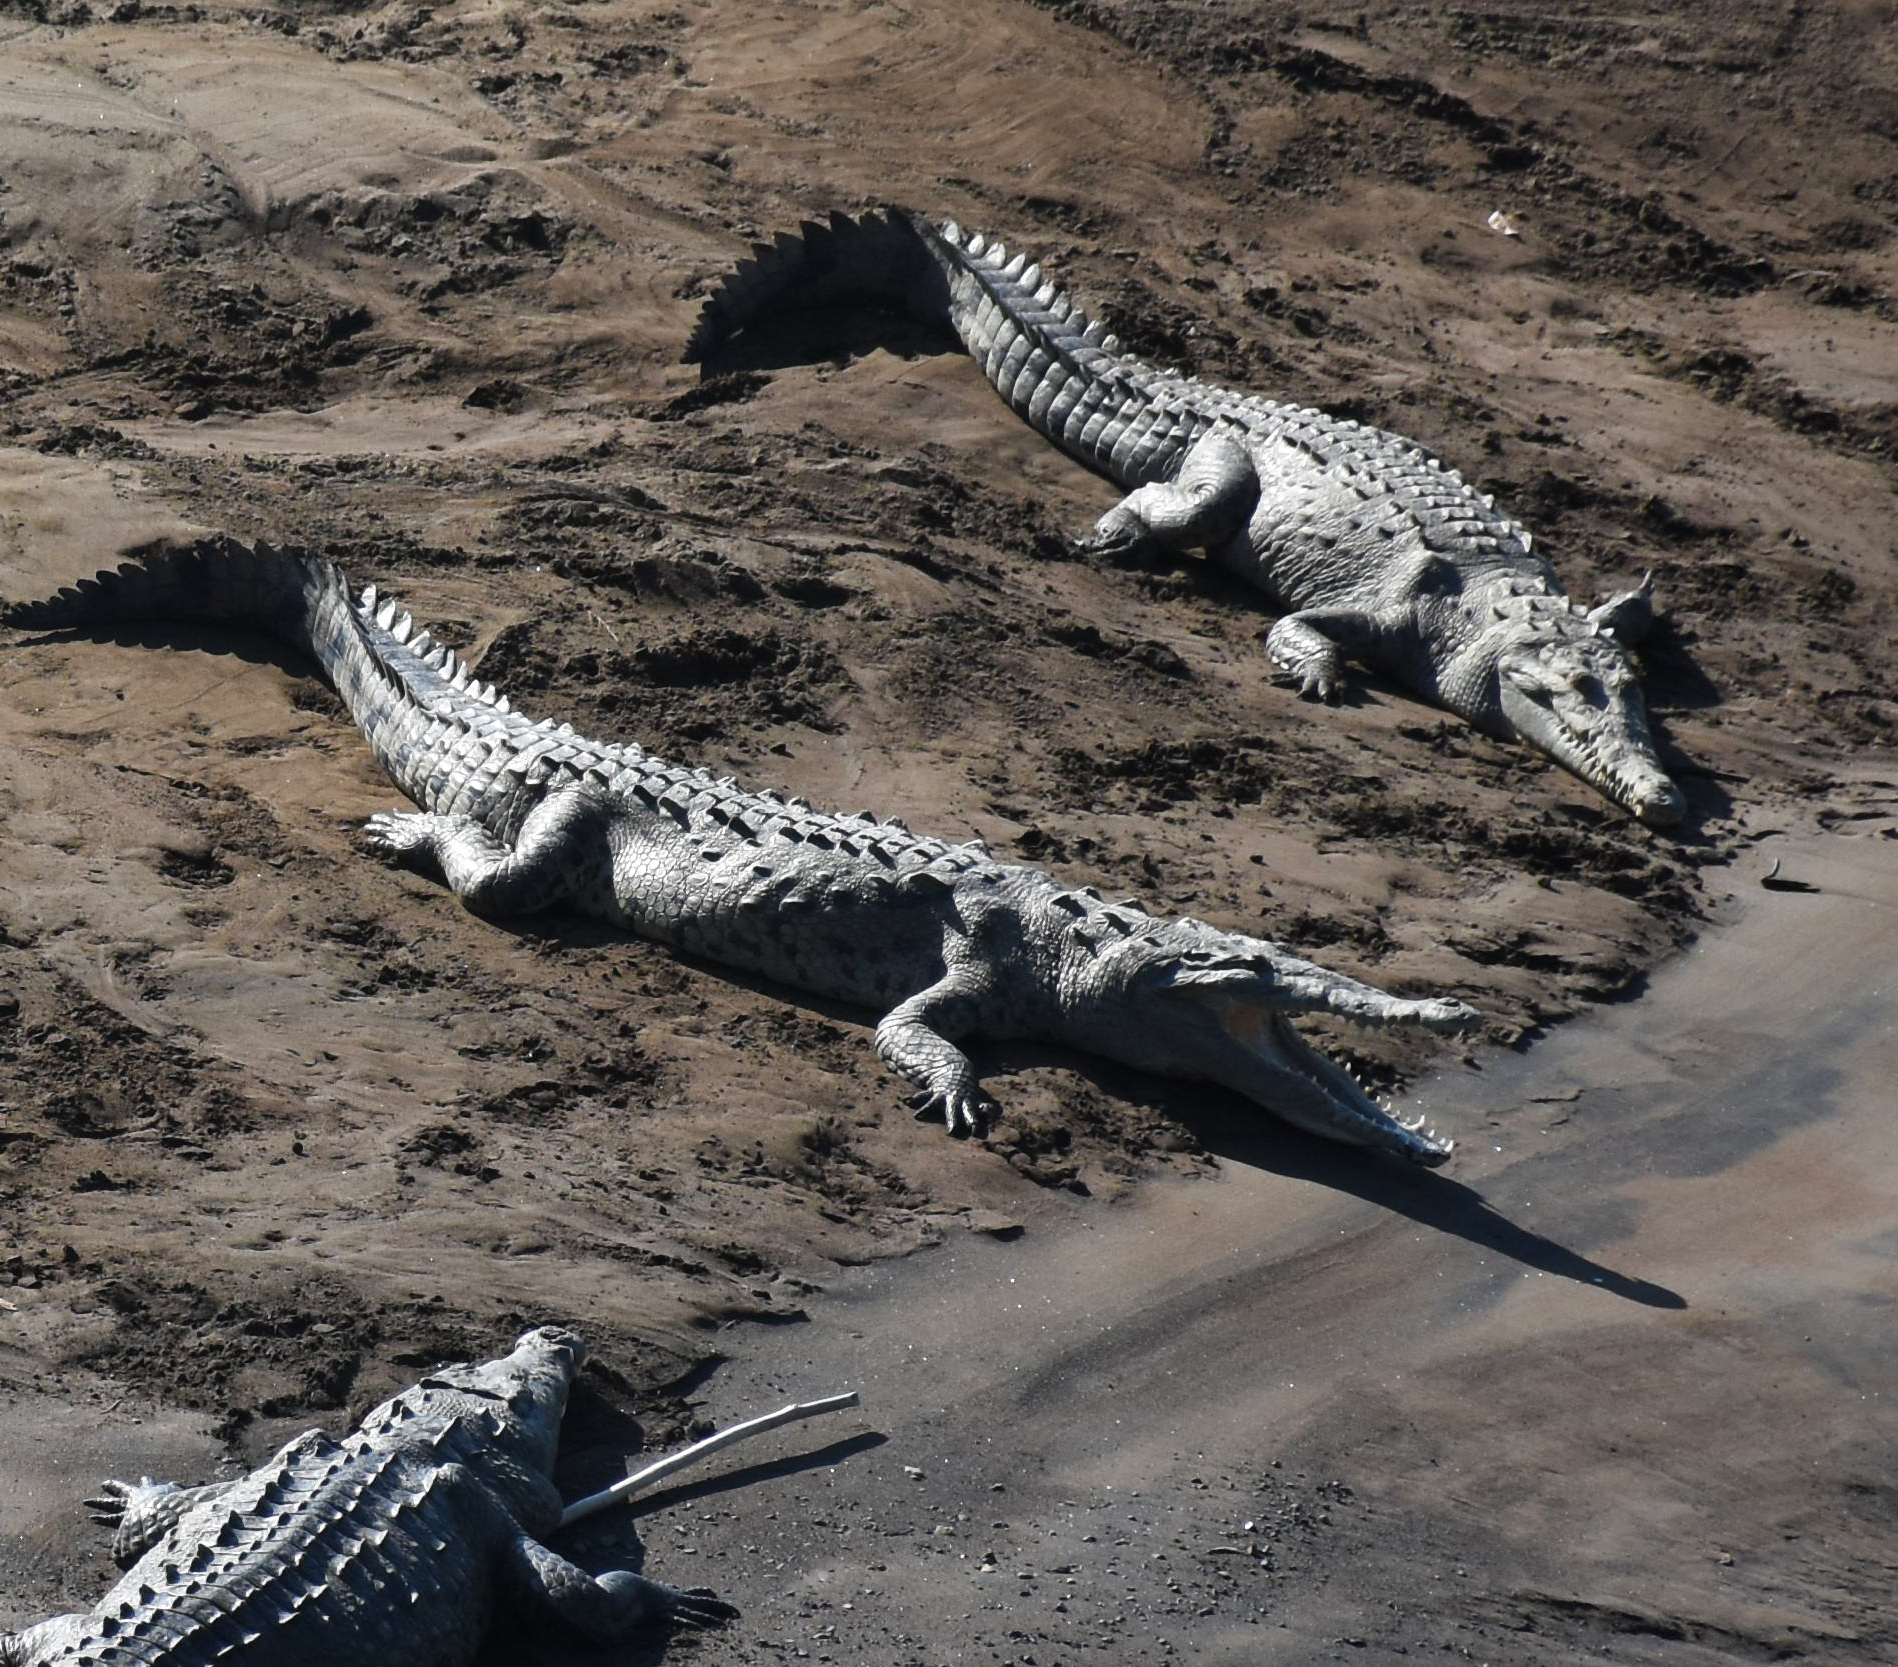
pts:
pixel 884 259
pixel 212 581
pixel 299 598
pixel 1062 372
pixel 398 684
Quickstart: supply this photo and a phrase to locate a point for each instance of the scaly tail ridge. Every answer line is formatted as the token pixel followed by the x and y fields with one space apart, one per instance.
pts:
pixel 410 697
pixel 216 580
pixel 293 595
pixel 882 259
pixel 1061 372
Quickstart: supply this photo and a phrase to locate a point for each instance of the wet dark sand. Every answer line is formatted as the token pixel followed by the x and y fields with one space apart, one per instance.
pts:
pixel 1622 1381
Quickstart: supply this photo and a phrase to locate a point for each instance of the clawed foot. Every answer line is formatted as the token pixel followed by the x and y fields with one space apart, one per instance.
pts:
pixel 696 1606
pixel 128 1507
pixel 638 1602
pixel 1121 539
pixel 963 1112
pixel 115 1499
pixel 1317 678
pixel 397 833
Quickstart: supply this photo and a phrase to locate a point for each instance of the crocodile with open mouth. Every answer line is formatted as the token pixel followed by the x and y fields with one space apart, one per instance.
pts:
pixel 940 940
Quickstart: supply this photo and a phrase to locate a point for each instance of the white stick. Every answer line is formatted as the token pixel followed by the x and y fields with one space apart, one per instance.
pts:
pixel 658 1471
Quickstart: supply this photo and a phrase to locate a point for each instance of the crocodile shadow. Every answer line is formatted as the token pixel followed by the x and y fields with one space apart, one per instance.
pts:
pixel 1432 1199
pixel 1238 1132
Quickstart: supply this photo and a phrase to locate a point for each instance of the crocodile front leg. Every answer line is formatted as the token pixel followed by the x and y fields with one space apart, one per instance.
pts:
pixel 562 850
pixel 916 1040
pixel 1207 501
pixel 1628 615
pixel 1309 646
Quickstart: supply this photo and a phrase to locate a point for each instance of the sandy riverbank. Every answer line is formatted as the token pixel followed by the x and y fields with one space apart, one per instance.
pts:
pixel 279 1125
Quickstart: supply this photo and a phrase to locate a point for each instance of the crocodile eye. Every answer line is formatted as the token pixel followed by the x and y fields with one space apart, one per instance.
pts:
pixel 1589 687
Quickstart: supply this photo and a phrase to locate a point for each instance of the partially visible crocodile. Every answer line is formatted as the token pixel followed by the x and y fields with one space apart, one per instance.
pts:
pixel 938 939
pixel 1362 540
pixel 390 1548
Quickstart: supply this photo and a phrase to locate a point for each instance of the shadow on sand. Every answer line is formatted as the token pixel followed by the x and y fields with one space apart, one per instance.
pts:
pixel 1428 1197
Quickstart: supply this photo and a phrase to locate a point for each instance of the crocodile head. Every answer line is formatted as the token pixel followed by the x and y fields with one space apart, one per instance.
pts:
pixel 1566 684
pixel 520 1397
pixel 1185 999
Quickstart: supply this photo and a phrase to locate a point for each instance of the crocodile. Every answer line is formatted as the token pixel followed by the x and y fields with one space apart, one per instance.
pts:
pixel 939 939
pixel 389 1548
pixel 1364 543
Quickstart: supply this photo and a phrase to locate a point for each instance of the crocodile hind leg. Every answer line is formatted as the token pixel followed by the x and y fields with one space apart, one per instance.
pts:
pixel 43 1642
pixel 611 1606
pixel 1208 500
pixel 142 1513
pixel 915 1040
pixel 561 850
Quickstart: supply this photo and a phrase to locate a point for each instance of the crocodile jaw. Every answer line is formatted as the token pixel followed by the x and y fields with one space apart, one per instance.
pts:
pixel 1235 1032
pixel 1267 1060
pixel 1598 731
